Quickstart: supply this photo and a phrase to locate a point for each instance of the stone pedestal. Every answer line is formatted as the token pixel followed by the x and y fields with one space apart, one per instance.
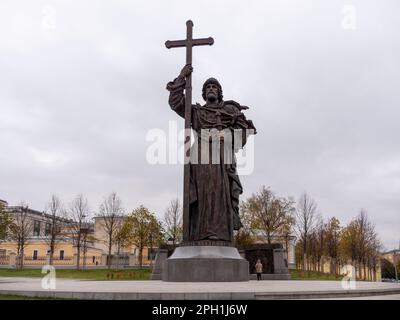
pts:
pixel 280 262
pixel 205 264
pixel 162 255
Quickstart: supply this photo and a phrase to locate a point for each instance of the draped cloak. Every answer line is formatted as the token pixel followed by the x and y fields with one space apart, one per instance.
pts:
pixel 214 187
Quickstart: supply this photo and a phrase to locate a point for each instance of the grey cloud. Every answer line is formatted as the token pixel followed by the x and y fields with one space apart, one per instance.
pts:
pixel 76 102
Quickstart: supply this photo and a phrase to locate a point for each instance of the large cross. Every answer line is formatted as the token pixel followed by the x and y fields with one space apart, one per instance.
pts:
pixel 188 43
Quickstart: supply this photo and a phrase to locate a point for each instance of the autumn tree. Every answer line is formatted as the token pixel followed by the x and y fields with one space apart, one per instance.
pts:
pixel 173 221
pixel 367 242
pixel 360 244
pixel 319 244
pixel 332 240
pixel 348 246
pixel 140 225
pixel 269 213
pixel 122 237
pixel 111 214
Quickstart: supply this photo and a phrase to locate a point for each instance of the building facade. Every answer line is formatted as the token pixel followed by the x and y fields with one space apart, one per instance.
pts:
pixel 36 251
pixel 93 248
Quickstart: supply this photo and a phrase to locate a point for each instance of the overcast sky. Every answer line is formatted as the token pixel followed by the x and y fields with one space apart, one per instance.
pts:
pixel 81 85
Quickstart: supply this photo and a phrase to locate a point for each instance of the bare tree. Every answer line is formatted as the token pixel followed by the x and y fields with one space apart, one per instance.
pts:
pixel 55 235
pixel 112 214
pixel 367 243
pixel 305 222
pixel 86 238
pixel 21 231
pixel 173 221
pixel 270 214
pixel 79 214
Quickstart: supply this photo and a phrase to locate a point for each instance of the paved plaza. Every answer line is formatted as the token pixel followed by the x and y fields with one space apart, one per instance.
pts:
pixel 158 290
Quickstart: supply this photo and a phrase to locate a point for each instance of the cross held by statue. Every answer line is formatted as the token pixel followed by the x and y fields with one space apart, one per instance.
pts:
pixel 188 43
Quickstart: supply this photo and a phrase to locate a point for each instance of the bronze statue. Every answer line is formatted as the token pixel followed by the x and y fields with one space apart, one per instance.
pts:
pixel 211 190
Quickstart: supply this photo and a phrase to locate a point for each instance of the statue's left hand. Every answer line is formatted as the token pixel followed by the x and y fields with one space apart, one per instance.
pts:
pixel 186 70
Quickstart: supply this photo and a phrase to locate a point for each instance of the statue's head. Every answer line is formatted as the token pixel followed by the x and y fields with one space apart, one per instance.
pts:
pixel 212 90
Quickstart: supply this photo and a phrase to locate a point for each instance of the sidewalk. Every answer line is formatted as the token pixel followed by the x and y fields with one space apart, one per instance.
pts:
pixel 156 290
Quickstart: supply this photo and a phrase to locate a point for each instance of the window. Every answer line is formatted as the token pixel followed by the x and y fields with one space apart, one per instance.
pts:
pixel 35 255
pixel 47 229
pixel 36 228
pixel 61 254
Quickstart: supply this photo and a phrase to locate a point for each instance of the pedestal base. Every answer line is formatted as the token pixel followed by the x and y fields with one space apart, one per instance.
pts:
pixel 205 264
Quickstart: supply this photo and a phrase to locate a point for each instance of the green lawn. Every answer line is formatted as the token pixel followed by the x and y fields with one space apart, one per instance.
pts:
pixel 92 274
pixel 313 275
pixel 135 274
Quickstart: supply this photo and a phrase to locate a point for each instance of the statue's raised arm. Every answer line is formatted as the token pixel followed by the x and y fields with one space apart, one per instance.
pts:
pixel 176 91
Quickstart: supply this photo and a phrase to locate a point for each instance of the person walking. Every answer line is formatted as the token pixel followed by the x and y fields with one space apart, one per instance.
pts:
pixel 259 267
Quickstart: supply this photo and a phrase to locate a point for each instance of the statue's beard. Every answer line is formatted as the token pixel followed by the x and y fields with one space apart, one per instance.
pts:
pixel 211 98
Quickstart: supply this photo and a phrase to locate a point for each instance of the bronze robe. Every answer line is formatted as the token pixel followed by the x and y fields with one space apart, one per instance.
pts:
pixel 214 188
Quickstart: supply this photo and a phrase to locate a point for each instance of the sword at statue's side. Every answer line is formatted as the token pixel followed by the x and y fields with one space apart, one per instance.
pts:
pixel 189 43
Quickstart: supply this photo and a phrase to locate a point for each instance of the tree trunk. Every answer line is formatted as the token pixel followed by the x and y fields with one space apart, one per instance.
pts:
pixel 118 252
pixel 78 247
pixel 322 264
pixel 151 253
pixel 374 272
pixel 365 272
pixel 52 247
pixel 140 257
pixel 269 238
pixel 334 266
pixel 287 247
pixel 21 259
pixel 109 254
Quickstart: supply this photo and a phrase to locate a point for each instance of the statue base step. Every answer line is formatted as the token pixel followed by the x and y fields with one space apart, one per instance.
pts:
pixel 205 264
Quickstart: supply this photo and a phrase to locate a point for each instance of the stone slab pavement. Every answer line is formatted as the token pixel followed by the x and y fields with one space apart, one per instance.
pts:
pixel 159 290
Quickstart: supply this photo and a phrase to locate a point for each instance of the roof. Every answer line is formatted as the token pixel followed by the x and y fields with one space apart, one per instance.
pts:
pixel 107 217
pixel 16 209
pixel 395 251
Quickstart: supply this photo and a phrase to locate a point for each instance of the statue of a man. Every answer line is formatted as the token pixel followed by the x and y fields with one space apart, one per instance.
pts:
pixel 214 187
